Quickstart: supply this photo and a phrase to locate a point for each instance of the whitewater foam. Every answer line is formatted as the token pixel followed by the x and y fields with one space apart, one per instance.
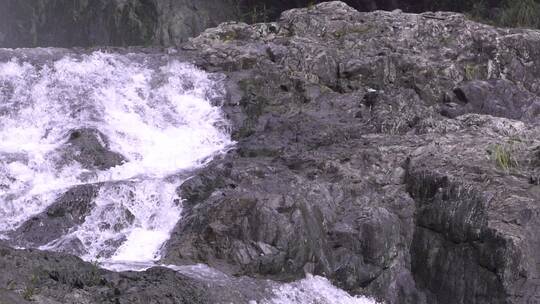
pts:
pixel 159 114
pixel 314 289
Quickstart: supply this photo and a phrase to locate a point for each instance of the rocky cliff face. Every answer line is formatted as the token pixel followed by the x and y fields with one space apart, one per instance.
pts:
pixel 396 154
pixel 29 23
pixel 65 23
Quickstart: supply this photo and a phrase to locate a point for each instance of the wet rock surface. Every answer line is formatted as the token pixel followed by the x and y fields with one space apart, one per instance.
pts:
pixel 41 277
pixel 90 148
pixel 32 276
pixel 68 211
pixel 391 152
pixel 395 154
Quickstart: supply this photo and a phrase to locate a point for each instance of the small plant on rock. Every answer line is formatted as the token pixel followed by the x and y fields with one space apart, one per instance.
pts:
pixel 257 13
pixel 470 72
pixel 28 293
pixel 504 157
pixel 30 289
pixel 95 272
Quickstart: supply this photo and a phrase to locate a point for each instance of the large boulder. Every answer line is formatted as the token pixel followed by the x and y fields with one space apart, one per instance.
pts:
pixel 69 210
pixel 342 120
pixel 90 148
pixel 33 276
pixel 43 277
pixel 476 216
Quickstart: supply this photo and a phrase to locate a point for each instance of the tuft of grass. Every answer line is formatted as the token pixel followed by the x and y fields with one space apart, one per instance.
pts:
pixel 29 292
pixel 95 272
pixel 30 289
pixel 229 36
pixel 503 155
pixel 470 72
pixel 254 13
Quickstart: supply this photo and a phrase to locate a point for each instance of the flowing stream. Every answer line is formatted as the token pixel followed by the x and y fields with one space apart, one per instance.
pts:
pixel 154 118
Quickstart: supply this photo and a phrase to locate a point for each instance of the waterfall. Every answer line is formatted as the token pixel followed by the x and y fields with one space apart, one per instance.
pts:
pixel 156 117
pixel 133 127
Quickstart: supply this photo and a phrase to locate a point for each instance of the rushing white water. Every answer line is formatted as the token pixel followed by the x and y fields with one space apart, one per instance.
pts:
pixel 158 114
pixel 314 290
pixel 310 290
pixel 161 116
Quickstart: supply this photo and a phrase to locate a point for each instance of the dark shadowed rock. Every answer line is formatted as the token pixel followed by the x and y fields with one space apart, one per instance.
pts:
pixel 90 148
pixel 67 23
pixel 474 240
pixel 494 97
pixel 33 276
pixel 68 211
pixel 58 278
pixel 29 23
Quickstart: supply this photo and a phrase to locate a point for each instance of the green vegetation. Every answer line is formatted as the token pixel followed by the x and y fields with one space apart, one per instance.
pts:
pixel 249 12
pixel 521 13
pixel 504 156
pixel 258 13
pixel 253 11
pixel 229 36
pixel 510 13
pixel 28 293
pixel 470 72
pixel 30 289
pixel 95 276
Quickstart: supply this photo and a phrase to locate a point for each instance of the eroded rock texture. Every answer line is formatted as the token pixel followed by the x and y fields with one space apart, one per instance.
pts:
pixel 30 276
pixel 392 152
